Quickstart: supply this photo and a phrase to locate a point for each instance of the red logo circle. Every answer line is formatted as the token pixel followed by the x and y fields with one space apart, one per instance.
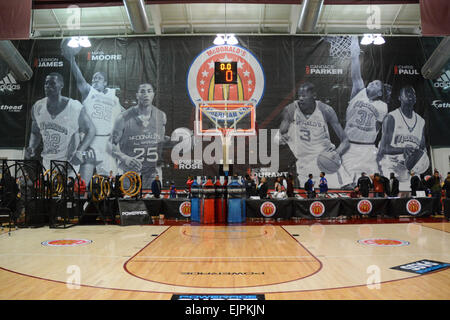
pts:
pixel 413 207
pixel 267 209
pixel 66 242
pixel 378 242
pixel 185 209
pixel 364 206
pixel 317 209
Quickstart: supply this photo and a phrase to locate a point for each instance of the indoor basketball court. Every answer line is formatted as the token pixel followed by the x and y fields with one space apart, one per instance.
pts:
pixel 225 150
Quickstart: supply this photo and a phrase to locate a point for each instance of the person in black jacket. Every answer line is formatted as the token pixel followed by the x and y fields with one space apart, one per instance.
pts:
pixel 393 186
pixel 415 184
pixel 290 186
pixel 364 184
pixel 446 186
pixel 263 188
pixel 156 187
pixel 250 186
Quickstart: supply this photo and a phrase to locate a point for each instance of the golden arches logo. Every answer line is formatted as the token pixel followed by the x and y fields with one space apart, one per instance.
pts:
pixel 317 208
pixel 364 207
pixel 185 209
pixel 268 209
pixel 413 206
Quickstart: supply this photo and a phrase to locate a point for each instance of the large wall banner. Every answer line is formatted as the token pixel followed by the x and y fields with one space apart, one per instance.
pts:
pixel 322 104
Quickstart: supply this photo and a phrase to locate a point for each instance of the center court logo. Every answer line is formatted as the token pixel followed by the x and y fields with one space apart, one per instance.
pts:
pixel 66 242
pixel 380 242
pixel 317 209
pixel 200 79
pixel 185 209
pixel 413 206
pixel 364 207
pixel 267 209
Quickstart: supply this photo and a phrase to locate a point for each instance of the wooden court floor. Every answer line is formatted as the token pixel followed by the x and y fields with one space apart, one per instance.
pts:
pixel 279 261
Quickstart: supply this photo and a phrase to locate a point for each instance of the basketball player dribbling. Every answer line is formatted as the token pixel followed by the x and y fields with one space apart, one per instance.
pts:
pixel 138 136
pixel 365 113
pixel 57 121
pixel 103 107
pixel 304 127
pixel 403 132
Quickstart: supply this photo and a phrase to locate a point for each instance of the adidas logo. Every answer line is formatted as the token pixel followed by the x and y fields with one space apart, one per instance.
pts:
pixel 8 84
pixel 443 81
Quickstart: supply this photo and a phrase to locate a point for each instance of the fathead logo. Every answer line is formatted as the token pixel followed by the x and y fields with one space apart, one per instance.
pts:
pixel 11 108
pixel 267 209
pixel 413 207
pixel 364 207
pixel 185 209
pixel 439 104
pixel 317 209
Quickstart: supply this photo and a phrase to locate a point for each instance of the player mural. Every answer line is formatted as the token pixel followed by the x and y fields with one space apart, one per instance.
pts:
pixel 321 104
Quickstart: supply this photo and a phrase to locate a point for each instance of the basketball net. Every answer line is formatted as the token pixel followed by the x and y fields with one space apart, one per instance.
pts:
pixel 339 46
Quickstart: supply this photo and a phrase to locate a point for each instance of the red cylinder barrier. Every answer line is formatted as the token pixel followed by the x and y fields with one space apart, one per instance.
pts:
pixel 220 202
pixel 208 206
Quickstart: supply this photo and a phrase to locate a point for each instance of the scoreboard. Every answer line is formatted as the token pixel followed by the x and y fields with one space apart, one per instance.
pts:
pixel 225 72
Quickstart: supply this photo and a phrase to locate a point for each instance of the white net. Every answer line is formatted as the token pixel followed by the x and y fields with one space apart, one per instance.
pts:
pixel 339 46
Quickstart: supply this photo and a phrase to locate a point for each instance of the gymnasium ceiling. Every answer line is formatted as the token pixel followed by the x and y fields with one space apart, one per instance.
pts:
pixel 168 18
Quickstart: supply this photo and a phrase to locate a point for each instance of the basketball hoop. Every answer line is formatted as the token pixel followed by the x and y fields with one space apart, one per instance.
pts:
pixel 339 46
pixel 225 119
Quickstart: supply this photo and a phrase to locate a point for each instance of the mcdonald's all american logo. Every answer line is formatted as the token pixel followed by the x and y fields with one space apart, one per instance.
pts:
pixel 364 207
pixel 66 242
pixel 185 209
pixel 267 209
pixel 413 206
pixel 250 77
pixel 383 242
pixel 317 209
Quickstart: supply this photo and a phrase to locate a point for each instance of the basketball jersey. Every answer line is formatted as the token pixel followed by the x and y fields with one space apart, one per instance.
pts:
pixel 140 138
pixel 103 109
pixel 407 134
pixel 57 132
pixel 362 117
pixel 310 134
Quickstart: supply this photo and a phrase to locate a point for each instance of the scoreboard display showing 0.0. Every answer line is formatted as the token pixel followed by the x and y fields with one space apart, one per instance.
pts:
pixel 225 72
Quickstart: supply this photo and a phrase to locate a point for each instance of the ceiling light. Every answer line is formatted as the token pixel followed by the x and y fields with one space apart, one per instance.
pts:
pixel 219 39
pixel 367 39
pixel 73 43
pixel 378 39
pixel 231 39
pixel 84 42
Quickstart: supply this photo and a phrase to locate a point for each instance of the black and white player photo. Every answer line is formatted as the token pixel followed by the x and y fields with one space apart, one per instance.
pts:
pixel 138 137
pixel 364 116
pixel 102 106
pixel 304 128
pixel 61 124
pixel 402 147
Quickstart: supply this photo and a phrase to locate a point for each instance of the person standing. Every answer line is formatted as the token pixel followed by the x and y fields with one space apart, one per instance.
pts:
pixel 80 185
pixel 364 185
pixel 156 187
pixel 323 185
pixel 379 186
pixel 309 187
pixel 263 188
pixel 393 186
pixel 189 183
pixel 415 184
pixel 290 186
pixel 250 186
pixel 436 190
pixel 446 186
